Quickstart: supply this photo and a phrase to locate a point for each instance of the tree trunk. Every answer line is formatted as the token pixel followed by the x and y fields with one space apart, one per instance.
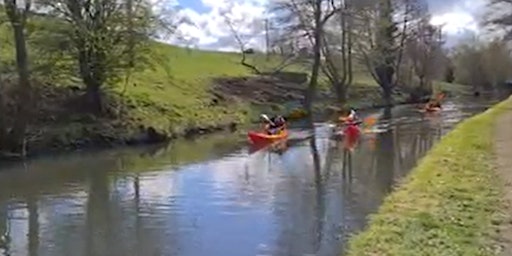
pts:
pixel 385 75
pixel 93 99
pixel 422 82
pixel 3 124
pixel 92 75
pixel 33 226
pixel 23 92
pixel 317 54
pixel 385 68
pixel 341 94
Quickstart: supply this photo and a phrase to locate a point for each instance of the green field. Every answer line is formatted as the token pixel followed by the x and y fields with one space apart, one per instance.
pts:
pixel 449 205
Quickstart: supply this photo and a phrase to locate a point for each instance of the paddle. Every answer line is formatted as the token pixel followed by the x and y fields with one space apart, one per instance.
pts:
pixel 368 121
pixel 264 116
pixel 267 119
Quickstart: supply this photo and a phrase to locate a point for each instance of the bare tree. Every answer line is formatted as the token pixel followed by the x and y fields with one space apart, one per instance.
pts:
pixel 497 62
pixel 259 28
pixel 337 50
pixel 241 41
pixel 305 19
pixel 423 51
pixel 482 64
pixel 381 38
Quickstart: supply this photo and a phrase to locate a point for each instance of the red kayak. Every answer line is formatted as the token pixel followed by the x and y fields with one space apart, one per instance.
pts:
pixel 263 138
pixel 352 133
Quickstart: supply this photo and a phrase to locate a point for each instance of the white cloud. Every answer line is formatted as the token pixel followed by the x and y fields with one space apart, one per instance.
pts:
pixel 455 22
pixel 210 31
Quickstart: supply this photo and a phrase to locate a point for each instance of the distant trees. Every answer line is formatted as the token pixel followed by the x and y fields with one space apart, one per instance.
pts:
pixel 424 56
pixel 486 63
pixel 482 64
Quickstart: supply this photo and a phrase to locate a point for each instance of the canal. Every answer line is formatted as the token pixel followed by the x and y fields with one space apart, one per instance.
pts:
pixel 213 195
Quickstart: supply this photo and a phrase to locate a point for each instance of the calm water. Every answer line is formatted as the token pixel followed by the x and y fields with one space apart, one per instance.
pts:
pixel 212 196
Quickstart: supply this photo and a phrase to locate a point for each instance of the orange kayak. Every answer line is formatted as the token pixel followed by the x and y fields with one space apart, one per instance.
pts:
pixel 263 138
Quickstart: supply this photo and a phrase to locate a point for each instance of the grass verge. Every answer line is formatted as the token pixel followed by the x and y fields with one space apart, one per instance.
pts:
pixel 450 204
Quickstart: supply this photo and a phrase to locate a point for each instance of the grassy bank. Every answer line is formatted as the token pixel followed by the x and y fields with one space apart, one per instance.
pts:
pixel 449 205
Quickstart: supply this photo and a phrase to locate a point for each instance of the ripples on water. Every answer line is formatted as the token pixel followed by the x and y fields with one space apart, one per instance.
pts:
pixel 212 196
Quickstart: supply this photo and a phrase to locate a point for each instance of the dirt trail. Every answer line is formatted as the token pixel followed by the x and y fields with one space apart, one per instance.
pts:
pixel 503 146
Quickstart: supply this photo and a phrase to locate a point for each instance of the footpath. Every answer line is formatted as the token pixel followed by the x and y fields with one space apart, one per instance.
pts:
pixel 503 149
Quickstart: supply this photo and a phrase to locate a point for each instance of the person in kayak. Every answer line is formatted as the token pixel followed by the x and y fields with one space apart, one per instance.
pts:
pixel 432 105
pixel 274 125
pixel 436 103
pixel 351 118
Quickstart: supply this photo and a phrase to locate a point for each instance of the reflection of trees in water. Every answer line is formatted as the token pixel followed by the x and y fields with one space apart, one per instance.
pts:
pixel 319 194
pixel 401 147
pixel 138 223
pixel 375 171
pixel 300 207
pixel 385 160
pixel 32 222
pixel 131 233
pixel 98 219
pixel 33 226
pixel 5 234
pixel 346 170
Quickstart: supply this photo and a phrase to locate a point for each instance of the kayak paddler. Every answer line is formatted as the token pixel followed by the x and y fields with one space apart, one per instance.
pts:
pixel 273 125
pixel 436 103
pixel 351 121
pixel 351 118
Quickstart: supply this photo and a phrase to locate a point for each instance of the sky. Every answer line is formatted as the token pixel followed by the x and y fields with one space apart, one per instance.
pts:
pixel 207 28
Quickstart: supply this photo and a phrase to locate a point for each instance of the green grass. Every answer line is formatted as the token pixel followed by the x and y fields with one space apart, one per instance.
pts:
pixel 176 91
pixel 449 205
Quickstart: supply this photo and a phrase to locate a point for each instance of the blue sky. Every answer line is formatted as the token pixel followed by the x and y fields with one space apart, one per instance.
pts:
pixel 196 5
pixel 209 30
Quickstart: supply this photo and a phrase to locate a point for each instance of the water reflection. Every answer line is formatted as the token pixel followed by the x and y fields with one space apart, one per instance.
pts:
pixel 33 225
pixel 5 236
pixel 210 196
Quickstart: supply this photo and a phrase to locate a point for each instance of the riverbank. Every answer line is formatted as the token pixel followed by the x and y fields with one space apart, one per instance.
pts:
pixel 232 102
pixel 450 204
pixel 207 92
